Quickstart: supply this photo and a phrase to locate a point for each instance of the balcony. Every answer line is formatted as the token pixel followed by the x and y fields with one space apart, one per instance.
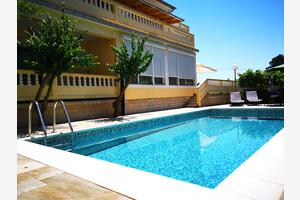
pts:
pixel 121 15
pixel 67 86
pixel 182 27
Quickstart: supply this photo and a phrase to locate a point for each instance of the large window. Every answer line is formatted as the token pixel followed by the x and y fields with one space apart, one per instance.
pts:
pixel 146 80
pixel 158 62
pixel 186 82
pixel 158 66
pixel 159 81
pixel 189 82
pixel 186 66
pixel 148 72
pixel 181 67
pixel 173 81
pixel 172 64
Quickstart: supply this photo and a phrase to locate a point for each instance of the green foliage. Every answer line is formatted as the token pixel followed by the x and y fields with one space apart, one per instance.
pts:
pixel 128 66
pixel 26 8
pixel 54 47
pixel 259 79
pixel 277 60
pixel 252 79
pixel 278 78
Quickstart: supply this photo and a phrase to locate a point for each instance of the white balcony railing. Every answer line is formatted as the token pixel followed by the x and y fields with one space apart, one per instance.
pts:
pixel 67 86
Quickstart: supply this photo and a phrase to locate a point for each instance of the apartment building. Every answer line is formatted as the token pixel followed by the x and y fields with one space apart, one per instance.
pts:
pixel 168 83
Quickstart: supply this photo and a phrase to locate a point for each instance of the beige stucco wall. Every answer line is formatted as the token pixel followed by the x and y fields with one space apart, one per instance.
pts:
pixel 158 92
pixel 100 47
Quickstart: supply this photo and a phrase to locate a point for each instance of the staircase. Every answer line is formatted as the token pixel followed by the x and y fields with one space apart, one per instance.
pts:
pixel 214 92
pixel 192 101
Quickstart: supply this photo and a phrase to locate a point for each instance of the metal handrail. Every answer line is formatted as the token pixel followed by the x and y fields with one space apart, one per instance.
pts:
pixel 40 117
pixel 67 116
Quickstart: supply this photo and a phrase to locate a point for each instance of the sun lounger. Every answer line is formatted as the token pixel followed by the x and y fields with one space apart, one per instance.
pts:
pixel 235 98
pixel 252 97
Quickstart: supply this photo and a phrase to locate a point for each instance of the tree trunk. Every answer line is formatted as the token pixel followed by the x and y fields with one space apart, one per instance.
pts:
pixel 41 88
pixel 117 102
pixel 46 98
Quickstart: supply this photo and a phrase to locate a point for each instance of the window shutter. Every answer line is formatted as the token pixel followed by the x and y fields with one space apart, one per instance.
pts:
pixel 148 72
pixel 186 66
pixel 158 62
pixel 172 64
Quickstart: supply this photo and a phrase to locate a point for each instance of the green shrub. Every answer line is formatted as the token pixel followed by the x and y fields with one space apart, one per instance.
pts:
pixel 260 79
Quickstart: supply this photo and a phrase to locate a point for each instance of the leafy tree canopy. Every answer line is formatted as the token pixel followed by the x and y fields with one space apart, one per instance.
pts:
pixel 55 47
pixel 260 79
pixel 129 65
pixel 26 8
pixel 278 60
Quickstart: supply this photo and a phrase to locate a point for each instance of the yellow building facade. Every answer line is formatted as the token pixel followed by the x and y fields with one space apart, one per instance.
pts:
pixel 168 83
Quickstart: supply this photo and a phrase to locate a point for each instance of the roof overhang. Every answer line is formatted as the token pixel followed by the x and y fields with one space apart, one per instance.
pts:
pixel 167 4
pixel 276 67
pixel 152 10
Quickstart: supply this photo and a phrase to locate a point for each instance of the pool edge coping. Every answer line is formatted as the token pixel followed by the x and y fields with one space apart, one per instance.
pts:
pixel 178 112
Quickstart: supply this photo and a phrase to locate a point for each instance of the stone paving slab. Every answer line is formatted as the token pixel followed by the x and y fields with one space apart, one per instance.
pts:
pixel 45 182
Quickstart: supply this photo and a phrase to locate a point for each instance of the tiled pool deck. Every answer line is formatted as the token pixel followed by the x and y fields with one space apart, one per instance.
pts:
pixel 260 177
pixel 39 181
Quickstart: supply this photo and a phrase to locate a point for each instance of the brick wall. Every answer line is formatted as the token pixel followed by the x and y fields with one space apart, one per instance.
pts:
pixel 147 105
pixel 78 110
pixel 92 109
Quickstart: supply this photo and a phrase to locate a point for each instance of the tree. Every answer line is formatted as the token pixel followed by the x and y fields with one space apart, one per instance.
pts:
pixel 260 79
pixel 128 65
pixel 54 48
pixel 278 60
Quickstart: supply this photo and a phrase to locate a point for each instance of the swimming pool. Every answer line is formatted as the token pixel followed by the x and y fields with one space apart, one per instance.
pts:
pixel 201 147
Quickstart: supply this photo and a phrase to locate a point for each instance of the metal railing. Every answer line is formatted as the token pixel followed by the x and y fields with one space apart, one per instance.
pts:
pixel 67 116
pixel 40 117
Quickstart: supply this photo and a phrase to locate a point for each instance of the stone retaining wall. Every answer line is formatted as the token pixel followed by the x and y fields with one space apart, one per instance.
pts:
pixel 92 109
pixel 78 110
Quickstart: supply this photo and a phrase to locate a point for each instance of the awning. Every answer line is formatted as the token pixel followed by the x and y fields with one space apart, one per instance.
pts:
pixel 276 67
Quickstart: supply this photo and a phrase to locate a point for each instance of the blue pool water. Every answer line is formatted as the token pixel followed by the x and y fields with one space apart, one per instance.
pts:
pixel 201 147
pixel 202 151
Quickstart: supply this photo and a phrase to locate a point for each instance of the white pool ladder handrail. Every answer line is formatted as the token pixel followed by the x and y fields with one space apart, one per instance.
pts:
pixel 40 117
